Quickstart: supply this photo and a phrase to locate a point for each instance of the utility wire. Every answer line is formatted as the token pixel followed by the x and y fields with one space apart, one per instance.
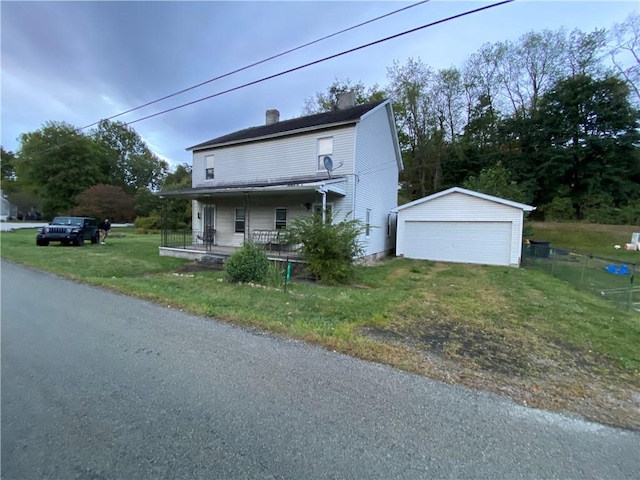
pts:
pixel 259 62
pixel 330 57
pixel 78 130
pixel 406 32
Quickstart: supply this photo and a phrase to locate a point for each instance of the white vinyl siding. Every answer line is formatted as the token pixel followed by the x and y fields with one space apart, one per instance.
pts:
pixel 377 171
pixel 325 148
pixel 276 159
pixel 485 220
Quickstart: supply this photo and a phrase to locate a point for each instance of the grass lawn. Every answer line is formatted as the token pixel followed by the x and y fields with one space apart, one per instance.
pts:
pixel 589 238
pixel 517 332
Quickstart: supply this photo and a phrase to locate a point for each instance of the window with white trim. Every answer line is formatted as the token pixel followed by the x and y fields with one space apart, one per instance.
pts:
pixel 239 220
pixel 281 218
pixel 208 165
pixel 325 148
pixel 367 223
pixel 317 208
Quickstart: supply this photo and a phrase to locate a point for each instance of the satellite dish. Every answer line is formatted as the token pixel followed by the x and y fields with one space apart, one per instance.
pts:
pixel 328 164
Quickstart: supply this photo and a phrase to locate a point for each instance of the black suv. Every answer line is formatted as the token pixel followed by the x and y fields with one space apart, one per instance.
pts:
pixel 68 230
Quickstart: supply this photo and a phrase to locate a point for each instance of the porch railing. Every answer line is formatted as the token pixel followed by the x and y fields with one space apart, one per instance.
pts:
pixel 272 241
pixel 188 238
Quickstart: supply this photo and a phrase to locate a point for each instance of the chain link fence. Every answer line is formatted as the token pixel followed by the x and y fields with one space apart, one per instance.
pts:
pixel 610 279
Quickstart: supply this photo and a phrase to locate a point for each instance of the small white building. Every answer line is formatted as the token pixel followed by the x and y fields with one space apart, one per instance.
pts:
pixel 459 225
pixel 7 210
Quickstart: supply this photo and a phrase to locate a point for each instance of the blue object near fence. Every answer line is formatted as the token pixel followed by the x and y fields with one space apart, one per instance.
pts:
pixel 621 270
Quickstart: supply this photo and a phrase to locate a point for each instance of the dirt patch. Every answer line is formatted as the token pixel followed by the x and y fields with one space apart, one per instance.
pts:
pixel 564 379
pixel 201 266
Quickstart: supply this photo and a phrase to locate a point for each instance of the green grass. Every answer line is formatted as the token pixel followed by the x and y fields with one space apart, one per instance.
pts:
pixel 393 291
pixel 588 272
pixel 514 322
pixel 589 238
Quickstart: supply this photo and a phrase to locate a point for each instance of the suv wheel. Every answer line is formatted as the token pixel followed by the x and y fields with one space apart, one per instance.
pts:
pixel 96 237
pixel 42 243
pixel 79 241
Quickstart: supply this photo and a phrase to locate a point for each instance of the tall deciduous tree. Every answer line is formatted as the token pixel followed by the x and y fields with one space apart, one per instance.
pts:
pixel 626 52
pixel 327 101
pixel 412 89
pixel 587 135
pixel 105 201
pixel 133 165
pixel 57 162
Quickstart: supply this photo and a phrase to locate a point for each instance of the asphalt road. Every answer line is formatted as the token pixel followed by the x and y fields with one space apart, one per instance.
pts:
pixel 101 386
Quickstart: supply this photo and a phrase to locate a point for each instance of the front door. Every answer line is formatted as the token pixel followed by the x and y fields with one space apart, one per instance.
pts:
pixel 208 223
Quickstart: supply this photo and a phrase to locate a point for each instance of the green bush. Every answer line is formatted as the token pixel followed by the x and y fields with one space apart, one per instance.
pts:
pixel 249 264
pixel 630 214
pixel 328 248
pixel 560 209
pixel 152 223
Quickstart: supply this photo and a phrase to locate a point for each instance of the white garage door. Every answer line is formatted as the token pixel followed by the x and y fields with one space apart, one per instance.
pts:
pixel 466 242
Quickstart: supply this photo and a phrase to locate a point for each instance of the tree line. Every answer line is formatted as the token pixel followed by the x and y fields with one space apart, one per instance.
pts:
pixel 550 119
pixel 107 172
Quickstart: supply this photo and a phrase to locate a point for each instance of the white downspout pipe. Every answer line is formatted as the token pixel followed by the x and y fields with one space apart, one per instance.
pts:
pixel 323 192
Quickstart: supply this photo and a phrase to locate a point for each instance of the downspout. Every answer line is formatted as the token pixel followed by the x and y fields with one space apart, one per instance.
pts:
pixel 247 226
pixel 321 190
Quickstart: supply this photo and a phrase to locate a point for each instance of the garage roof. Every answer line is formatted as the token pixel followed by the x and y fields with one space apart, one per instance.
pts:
pixel 484 196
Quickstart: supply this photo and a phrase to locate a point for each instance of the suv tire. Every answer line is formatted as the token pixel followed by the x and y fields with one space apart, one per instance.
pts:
pixel 43 243
pixel 79 241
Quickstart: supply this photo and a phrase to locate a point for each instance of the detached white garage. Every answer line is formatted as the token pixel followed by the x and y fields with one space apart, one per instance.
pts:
pixel 459 225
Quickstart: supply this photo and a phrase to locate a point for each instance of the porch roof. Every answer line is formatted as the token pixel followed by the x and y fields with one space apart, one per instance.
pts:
pixel 335 185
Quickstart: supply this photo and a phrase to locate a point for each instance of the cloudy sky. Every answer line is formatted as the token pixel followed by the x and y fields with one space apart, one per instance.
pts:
pixel 82 61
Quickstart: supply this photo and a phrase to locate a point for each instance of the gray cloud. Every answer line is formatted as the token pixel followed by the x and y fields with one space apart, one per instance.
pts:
pixel 82 61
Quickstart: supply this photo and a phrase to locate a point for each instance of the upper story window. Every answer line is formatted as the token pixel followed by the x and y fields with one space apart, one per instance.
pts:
pixel 239 220
pixel 325 148
pixel 208 165
pixel 281 218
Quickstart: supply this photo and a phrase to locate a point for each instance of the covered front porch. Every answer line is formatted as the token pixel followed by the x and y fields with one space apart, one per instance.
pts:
pixel 225 217
pixel 181 244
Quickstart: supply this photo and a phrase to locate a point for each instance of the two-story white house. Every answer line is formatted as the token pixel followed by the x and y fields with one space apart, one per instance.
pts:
pixel 258 179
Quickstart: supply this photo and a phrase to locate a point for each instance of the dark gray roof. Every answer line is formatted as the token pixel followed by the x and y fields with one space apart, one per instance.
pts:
pixel 336 116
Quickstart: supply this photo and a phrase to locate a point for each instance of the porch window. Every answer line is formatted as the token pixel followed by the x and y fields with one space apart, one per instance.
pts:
pixel 281 218
pixel 209 167
pixel 325 148
pixel 367 222
pixel 239 220
pixel 317 208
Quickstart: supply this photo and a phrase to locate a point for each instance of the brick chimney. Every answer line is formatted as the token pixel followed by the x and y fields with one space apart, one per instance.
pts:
pixel 346 100
pixel 273 116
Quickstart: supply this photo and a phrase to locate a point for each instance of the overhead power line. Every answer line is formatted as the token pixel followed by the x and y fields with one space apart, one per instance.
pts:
pixel 80 129
pixel 330 57
pixel 273 57
pixel 406 32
